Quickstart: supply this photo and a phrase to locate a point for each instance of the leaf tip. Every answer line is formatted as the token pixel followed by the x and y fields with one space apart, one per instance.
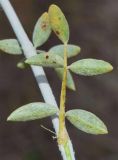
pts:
pixel 53 6
pixel 78 49
pixel 72 87
pixel 27 61
pixel 110 67
pixel 104 130
pixel 13 117
pixel 45 14
pixel 10 118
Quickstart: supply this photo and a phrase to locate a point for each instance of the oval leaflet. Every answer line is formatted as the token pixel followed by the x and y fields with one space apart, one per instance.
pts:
pixel 42 30
pixel 86 121
pixel 59 23
pixel 46 60
pixel 10 46
pixel 32 111
pixel 72 50
pixel 70 82
pixel 90 67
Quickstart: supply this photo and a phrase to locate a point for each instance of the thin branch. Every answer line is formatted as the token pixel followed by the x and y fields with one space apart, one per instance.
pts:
pixel 38 72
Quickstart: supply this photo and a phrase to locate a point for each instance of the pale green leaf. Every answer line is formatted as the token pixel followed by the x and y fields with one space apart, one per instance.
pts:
pixel 59 23
pixel 90 67
pixel 46 60
pixel 10 46
pixel 32 111
pixel 70 82
pixel 42 30
pixel 86 121
pixel 72 50
pixel 22 65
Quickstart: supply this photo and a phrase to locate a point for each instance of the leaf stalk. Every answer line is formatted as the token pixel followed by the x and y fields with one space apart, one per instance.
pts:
pixel 62 135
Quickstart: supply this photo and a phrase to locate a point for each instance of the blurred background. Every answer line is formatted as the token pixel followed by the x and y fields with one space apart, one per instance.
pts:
pixel 94 27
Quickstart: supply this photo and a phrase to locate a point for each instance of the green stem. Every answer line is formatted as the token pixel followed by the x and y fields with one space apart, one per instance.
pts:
pixel 63 138
pixel 62 135
pixel 68 151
